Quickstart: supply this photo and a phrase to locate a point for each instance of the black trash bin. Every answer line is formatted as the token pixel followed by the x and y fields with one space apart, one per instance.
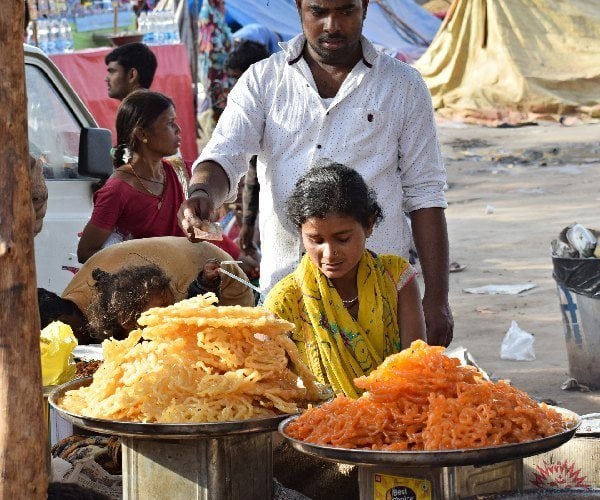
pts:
pixel 578 283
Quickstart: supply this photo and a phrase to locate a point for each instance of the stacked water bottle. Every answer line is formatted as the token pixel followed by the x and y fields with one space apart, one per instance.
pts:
pixel 53 35
pixel 159 27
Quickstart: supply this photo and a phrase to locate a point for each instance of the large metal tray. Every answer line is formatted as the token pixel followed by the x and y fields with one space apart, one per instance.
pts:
pixel 157 430
pixel 445 458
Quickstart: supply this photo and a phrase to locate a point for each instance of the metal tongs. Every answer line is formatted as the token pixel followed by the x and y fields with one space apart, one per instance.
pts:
pixel 241 280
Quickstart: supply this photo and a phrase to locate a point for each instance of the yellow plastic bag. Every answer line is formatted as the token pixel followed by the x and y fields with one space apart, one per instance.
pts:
pixel 56 344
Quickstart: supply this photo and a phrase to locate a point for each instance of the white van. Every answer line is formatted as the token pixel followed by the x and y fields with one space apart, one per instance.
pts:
pixel 76 154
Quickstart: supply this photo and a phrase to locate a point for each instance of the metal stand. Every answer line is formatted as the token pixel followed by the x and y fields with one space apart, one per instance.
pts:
pixel 433 483
pixel 438 474
pixel 220 468
pixel 208 461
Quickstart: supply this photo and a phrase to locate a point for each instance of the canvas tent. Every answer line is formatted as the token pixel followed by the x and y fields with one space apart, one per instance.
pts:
pixel 516 60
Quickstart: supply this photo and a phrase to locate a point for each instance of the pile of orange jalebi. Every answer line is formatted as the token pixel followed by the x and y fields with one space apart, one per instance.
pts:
pixel 420 399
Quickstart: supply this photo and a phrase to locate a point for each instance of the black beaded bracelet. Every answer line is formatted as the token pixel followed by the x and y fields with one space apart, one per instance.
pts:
pixel 194 188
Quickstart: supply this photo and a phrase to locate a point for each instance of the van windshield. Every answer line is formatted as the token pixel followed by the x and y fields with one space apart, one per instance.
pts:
pixel 53 129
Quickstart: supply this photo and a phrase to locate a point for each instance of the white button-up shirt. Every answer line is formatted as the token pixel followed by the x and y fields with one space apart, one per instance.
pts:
pixel 380 123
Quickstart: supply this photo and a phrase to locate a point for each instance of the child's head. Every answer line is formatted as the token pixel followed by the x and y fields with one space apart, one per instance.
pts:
pixel 54 308
pixel 335 211
pixel 332 188
pixel 119 298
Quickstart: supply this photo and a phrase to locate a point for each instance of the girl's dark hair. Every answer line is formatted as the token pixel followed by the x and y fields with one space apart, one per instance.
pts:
pixel 55 308
pixel 120 295
pixel 140 109
pixel 333 188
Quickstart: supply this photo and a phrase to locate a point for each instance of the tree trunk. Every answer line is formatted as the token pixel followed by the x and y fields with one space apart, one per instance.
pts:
pixel 23 433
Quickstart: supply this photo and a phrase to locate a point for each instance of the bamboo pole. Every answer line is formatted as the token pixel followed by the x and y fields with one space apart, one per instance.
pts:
pixel 23 434
pixel 33 17
pixel 115 6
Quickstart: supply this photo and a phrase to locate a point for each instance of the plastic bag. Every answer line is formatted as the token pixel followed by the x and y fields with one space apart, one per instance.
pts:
pixel 56 344
pixel 574 265
pixel 581 239
pixel 581 276
pixel 517 344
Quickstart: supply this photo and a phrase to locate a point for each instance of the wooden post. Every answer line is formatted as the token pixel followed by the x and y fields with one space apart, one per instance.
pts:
pixel 115 6
pixel 23 436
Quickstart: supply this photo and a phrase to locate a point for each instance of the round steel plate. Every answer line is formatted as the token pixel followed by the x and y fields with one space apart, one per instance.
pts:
pixel 445 458
pixel 157 430
pixel 89 352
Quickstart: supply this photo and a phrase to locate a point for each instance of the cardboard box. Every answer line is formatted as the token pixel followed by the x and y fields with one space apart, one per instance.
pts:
pixel 575 464
pixel 434 483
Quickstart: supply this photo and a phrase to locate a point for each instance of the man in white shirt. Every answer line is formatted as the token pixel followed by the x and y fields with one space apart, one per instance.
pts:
pixel 330 94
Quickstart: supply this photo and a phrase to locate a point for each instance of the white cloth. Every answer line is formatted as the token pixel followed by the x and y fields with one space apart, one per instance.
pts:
pixel 380 123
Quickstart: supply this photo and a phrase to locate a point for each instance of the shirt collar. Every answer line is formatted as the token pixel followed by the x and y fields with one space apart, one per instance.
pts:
pixel 293 50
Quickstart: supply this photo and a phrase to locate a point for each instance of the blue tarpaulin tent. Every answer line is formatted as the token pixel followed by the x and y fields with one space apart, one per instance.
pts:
pixel 401 26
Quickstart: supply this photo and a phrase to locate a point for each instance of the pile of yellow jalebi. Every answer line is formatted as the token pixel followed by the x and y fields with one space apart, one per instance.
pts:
pixel 195 362
pixel 420 399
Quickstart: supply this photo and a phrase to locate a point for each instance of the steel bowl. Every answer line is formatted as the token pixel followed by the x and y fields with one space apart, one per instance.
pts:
pixel 158 430
pixel 124 38
pixel 442 458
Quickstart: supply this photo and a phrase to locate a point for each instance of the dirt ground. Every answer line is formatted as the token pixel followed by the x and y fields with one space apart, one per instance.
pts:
pixel 510 192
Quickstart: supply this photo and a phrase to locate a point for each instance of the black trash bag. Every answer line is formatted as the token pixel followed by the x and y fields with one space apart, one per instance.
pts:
pixel 581 276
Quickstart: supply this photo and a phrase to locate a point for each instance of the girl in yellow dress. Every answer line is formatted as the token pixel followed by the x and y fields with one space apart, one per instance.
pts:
pixel 351 307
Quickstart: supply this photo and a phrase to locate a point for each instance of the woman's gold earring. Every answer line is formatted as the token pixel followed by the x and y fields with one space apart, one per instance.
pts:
pixel 144 140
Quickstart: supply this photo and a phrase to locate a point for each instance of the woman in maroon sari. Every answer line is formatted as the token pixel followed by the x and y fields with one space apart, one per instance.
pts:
pixel 142 196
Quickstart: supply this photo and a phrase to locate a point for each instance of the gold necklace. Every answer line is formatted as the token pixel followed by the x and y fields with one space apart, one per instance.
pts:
pixel 160 200
pixel 140 177
pixel 350 302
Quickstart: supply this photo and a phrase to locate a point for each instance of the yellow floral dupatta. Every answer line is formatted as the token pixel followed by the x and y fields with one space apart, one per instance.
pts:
pixel 336 347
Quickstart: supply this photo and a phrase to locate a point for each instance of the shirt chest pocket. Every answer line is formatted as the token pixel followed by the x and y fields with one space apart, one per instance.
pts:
pixel 369 128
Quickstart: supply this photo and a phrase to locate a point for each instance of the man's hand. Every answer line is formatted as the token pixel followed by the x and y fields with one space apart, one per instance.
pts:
pixel 211 270
pixel 208 188
pixel 194 214
pixel 39 193
pixel 250 264
pixel 439 323
pixel 246 238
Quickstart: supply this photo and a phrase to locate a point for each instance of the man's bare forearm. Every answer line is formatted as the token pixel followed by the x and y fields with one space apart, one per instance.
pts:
pixel 431 239
pixel 210 178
